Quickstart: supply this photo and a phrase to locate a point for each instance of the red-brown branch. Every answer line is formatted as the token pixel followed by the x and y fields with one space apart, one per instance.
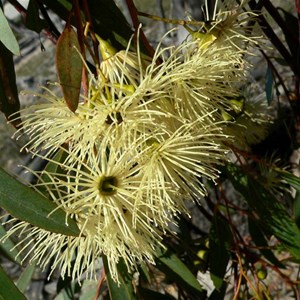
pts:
pixel 136 23
pixel 80 36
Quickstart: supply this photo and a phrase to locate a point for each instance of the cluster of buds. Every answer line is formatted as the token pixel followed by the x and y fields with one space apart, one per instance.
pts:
pixel 137 148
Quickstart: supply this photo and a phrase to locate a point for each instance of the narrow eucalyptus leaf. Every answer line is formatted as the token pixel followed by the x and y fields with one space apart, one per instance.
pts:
pixel 125 290
pixel 108 20
pixel 290 178
pixel 220 239
pixel 260 241
pixel 173 266
pixel 28 205
pixel 24 280
pixel 6 246
pixel 292 34
pixel 272 215
pixel 69 66
pixel 33 21
pixel 8 291
pixel 147 294
pixel 7 37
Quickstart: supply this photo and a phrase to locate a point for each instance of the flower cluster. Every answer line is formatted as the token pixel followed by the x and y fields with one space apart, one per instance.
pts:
pixel 136 148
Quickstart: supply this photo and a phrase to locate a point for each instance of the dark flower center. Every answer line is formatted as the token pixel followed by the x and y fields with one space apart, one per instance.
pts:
pixel 107 185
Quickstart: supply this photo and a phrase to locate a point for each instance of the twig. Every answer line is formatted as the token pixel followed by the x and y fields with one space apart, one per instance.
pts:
pixel 162 12
pixel 51 26
pixel 81 44
pixel 23 13
pixel 286 91
pixel 136 23
pixel 205 213
pixel 94 40
pixel 171 21
pixel 18 7
pixel 101 280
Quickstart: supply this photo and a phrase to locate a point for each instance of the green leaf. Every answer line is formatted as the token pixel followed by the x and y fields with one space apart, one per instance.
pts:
pixel 33 21
pixel 25 278
pixel 5 247
pixel 260 241
pixel 9 100
pixel 66 288
pixel 294 182
pixel 53 167
pixel 28 205
pixel 218 294
pixel 125 290
pixel 144 273
pixel 297 209
pixel 147 294
pixel 272 215
pixel 108 21
pixel 292 32
pixel 290 178
pixel 7 37
pixel 269 85
pixel 169 263
pixel 220 239
pixel 8 290
pixel 69 66
pixel 89 290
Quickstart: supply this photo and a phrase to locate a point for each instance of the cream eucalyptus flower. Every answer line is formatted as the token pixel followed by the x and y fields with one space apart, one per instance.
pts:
pixel 124 66
pixel 138 146
pixel 181 158
pixel 249 119
pixel 197 81
pixel 230 27
pixel 104 198
pixel 79 257
pixel 51 124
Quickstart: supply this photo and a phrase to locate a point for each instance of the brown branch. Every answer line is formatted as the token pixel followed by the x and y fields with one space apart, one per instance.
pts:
pixel 94 40
pixel 171 21
pixel 100 283
pixel 51 26
pixel 23 13
pixel 81 38
pixel 18 7
pixel 136 23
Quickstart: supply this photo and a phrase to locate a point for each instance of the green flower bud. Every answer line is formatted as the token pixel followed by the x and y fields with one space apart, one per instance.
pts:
pixel 202 254
pixel 106 49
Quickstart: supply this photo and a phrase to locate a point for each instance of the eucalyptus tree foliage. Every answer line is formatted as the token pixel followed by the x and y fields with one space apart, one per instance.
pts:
pixel 166 164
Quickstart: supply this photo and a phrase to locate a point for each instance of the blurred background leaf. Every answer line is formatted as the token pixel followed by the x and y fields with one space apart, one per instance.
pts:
pixel 272 215
pixel 8 290
pixel 124 290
